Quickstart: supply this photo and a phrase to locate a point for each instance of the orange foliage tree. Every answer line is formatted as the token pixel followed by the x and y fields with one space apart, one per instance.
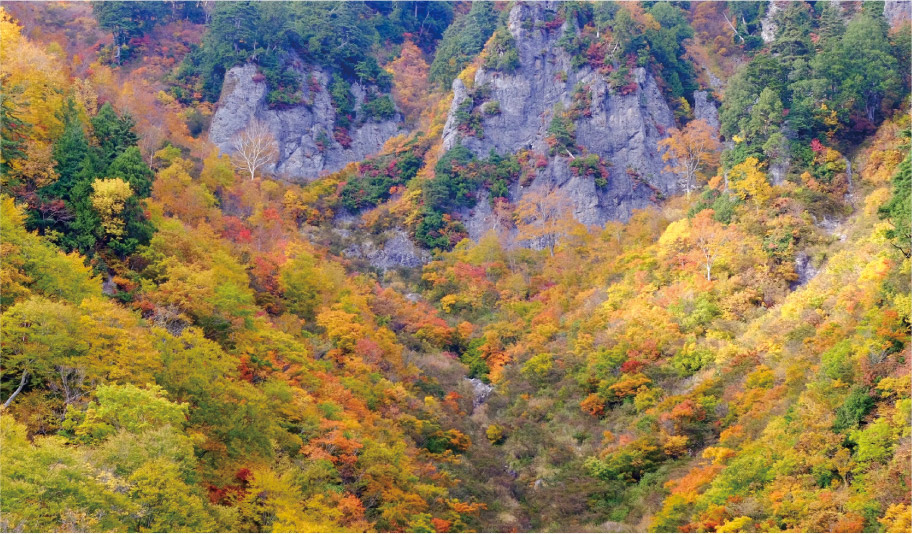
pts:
pixel 411 88
pixel 694 150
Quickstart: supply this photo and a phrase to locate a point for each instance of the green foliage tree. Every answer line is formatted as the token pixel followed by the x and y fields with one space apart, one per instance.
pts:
pixel 898 210
pixel 48 486
pixel 167 502
pixel 302 283
pixel 871 71
pixel 501 54
pixel 43 338
pixel 12 134
pixel 114 134
pixel 128 20
pixel 462 41
pixel 129 166
pixel 128 408
pixel 666 49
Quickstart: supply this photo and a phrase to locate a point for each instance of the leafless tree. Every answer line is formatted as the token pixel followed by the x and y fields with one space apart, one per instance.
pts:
pixel 254 148
pixel 543 217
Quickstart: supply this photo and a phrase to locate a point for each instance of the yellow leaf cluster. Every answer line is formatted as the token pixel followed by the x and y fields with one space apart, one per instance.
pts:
pixel 109 198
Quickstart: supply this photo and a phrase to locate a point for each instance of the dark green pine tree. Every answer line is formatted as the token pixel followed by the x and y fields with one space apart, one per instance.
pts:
pixel 830 28
pixel 114 133
pixel 137 231
pixel 77 167
pixel 70 152
pixel 12 133
pixel 898 210
pixel 130 166
pixel 126 20
pixel 85 230
pixel 793 37
pixel 462 41
pixel 871 71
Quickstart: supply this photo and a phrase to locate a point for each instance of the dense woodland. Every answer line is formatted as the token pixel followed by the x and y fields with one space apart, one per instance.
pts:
pixel 187 348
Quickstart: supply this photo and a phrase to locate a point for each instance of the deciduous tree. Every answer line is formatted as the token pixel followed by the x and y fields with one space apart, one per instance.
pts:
pixel 255 148
pixel 709 237
pixel 749 182
pixel 692 151
pixel 542 218
pixel 109 198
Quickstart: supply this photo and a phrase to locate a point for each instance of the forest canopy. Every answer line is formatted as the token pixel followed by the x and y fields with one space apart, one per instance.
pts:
pixel 683 306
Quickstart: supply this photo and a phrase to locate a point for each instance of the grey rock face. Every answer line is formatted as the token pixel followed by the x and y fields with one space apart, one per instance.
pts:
pixel 590 205
pixel 393 250
pixel 622 129
pixel 480 390
pixel 300 130
pixel 705 110
pixel 897 10
pixel 397 252
pixel 768 26
pixel 805 269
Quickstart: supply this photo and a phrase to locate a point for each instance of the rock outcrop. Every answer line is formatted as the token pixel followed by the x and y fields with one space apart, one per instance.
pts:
pixel 705 110
pixel 897 10
pixel 622 127
pixel 307 147
pixel 397 252
pixel 768 26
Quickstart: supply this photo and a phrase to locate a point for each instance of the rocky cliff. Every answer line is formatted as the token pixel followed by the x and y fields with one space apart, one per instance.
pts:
pixel 622 127
pixel 307 146
pixel 897 10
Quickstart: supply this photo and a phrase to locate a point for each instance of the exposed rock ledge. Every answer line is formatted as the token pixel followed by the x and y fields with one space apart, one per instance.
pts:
pixel 623 129
pixel 298 129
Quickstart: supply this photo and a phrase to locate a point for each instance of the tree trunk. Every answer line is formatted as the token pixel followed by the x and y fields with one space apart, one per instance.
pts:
pixel 22 383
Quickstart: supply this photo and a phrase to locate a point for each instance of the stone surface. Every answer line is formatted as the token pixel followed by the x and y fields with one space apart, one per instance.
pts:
pixel 297 129
pixel 768 26
pixel 705 109
pixel 480 390
pixel 622 129
pixel 391 250
pixel 397 252
pixel 589 204
pixel 897 10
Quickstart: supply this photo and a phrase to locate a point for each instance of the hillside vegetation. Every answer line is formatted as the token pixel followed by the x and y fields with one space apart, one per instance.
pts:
pixel 189 344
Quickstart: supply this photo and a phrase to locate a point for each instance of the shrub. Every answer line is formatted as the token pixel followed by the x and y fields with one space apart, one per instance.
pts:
pixel 853 410
pixel 561 133
pixel 501 54
pixel 591 165
pixel 379 108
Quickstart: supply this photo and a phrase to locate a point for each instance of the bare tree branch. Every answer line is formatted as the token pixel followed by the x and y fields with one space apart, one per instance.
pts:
pixel 254 148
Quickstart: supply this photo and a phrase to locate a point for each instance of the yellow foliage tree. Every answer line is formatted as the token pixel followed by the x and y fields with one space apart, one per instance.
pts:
pixel 710 238
pixel 36 169
pixel 180 195
pixel 33 79
pixel 749 182
pixel 109 198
